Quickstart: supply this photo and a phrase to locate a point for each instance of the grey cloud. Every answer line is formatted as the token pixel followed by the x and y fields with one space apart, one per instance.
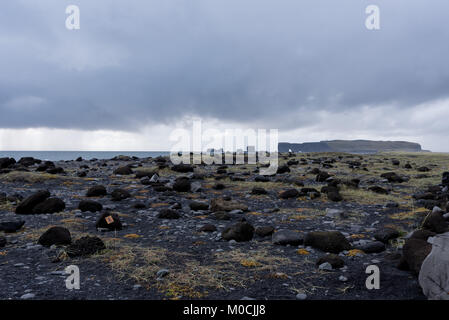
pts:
pixel 139 62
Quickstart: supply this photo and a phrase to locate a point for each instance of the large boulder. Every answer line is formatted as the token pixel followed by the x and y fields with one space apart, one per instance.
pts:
pixel 334 260
pixel 3 242
pixel 120 194
pixel 196 205
pixel 322 176
pixel 392 177
pixel 96 191
pixel 288 194
pixel 168 214
pixel 264 231
pixel 110 221
pixel 182 185
pixel 241 231
pixel 90 205
pixel 28 161
pixel 371 246
pixel 124 171
pixel 386 234
pixel 11 226
pixel 287 237
pixel 6 162
pixel 434 273
pixel 50 205
pixel 55 235
pixel 435 222
pixel 328 241
pixel 85 246
pixel 415 250
pixel 27 205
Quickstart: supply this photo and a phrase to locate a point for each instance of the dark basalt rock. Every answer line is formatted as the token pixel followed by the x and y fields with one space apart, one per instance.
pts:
pixel 89 205
pixel 124 171
pixel 168 214
pixel 334 260
pixel 96 191
pixel 55 235
pixel 386 235
pixel 264 231
pixel 392 177
pixel 120 194
pixel 196 205
pixel 328 241
pixel 11 226
pixel 6 162
pixel 27 205
pixel 110 221
pixel 288 194
pixel 182 185
pixel 85 246
pixel 258 191
pixel 241 231
pixel 377 189
pixel 50 205
pixel 208 228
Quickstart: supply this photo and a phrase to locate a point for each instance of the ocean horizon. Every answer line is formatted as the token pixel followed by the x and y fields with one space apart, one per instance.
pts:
pixel 72 155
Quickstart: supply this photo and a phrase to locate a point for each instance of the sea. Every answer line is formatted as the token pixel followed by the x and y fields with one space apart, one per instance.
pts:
pixel 72 155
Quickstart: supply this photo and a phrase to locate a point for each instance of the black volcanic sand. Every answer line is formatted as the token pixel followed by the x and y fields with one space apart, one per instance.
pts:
pixel 201 265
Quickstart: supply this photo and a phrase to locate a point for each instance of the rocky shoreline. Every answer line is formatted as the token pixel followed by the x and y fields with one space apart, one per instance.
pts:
pixel 148 229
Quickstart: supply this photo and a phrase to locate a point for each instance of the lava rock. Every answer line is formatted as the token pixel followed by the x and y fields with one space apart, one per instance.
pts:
pixel 124 171
pixel 241 231
pixel 386 235
pixel 2 242
pixel 55 236
pixel 435 222
pixel 85 246
pixel 27 205
pixel 334 260
pixel 50 205
pixel 258 191
pixel 377 189
pixel 168 214
pixel 264 231
pixel 90 205
pixel 96 191
pixel 328 241
pixel 110 221
pixel 288 194
pixel 11 226
pixel 120 194
pixel 208 228
pixel 371 247
pixel 182 185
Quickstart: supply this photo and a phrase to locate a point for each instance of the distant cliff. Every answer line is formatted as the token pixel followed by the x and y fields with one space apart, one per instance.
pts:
pixel 353 146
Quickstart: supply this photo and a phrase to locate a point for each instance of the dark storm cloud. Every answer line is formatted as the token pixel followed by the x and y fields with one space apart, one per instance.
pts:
pixel 137 62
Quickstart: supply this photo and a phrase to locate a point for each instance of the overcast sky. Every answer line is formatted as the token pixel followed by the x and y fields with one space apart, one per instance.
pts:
pixel 136 70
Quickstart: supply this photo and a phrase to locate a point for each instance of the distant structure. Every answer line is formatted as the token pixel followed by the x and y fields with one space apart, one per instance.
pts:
pixel 351 146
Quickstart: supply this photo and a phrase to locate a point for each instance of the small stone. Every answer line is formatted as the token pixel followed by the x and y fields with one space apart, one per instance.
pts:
pixel 28 296
pixel 325 266
pixel 162 273
pixel 342 278
pixel 301 296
